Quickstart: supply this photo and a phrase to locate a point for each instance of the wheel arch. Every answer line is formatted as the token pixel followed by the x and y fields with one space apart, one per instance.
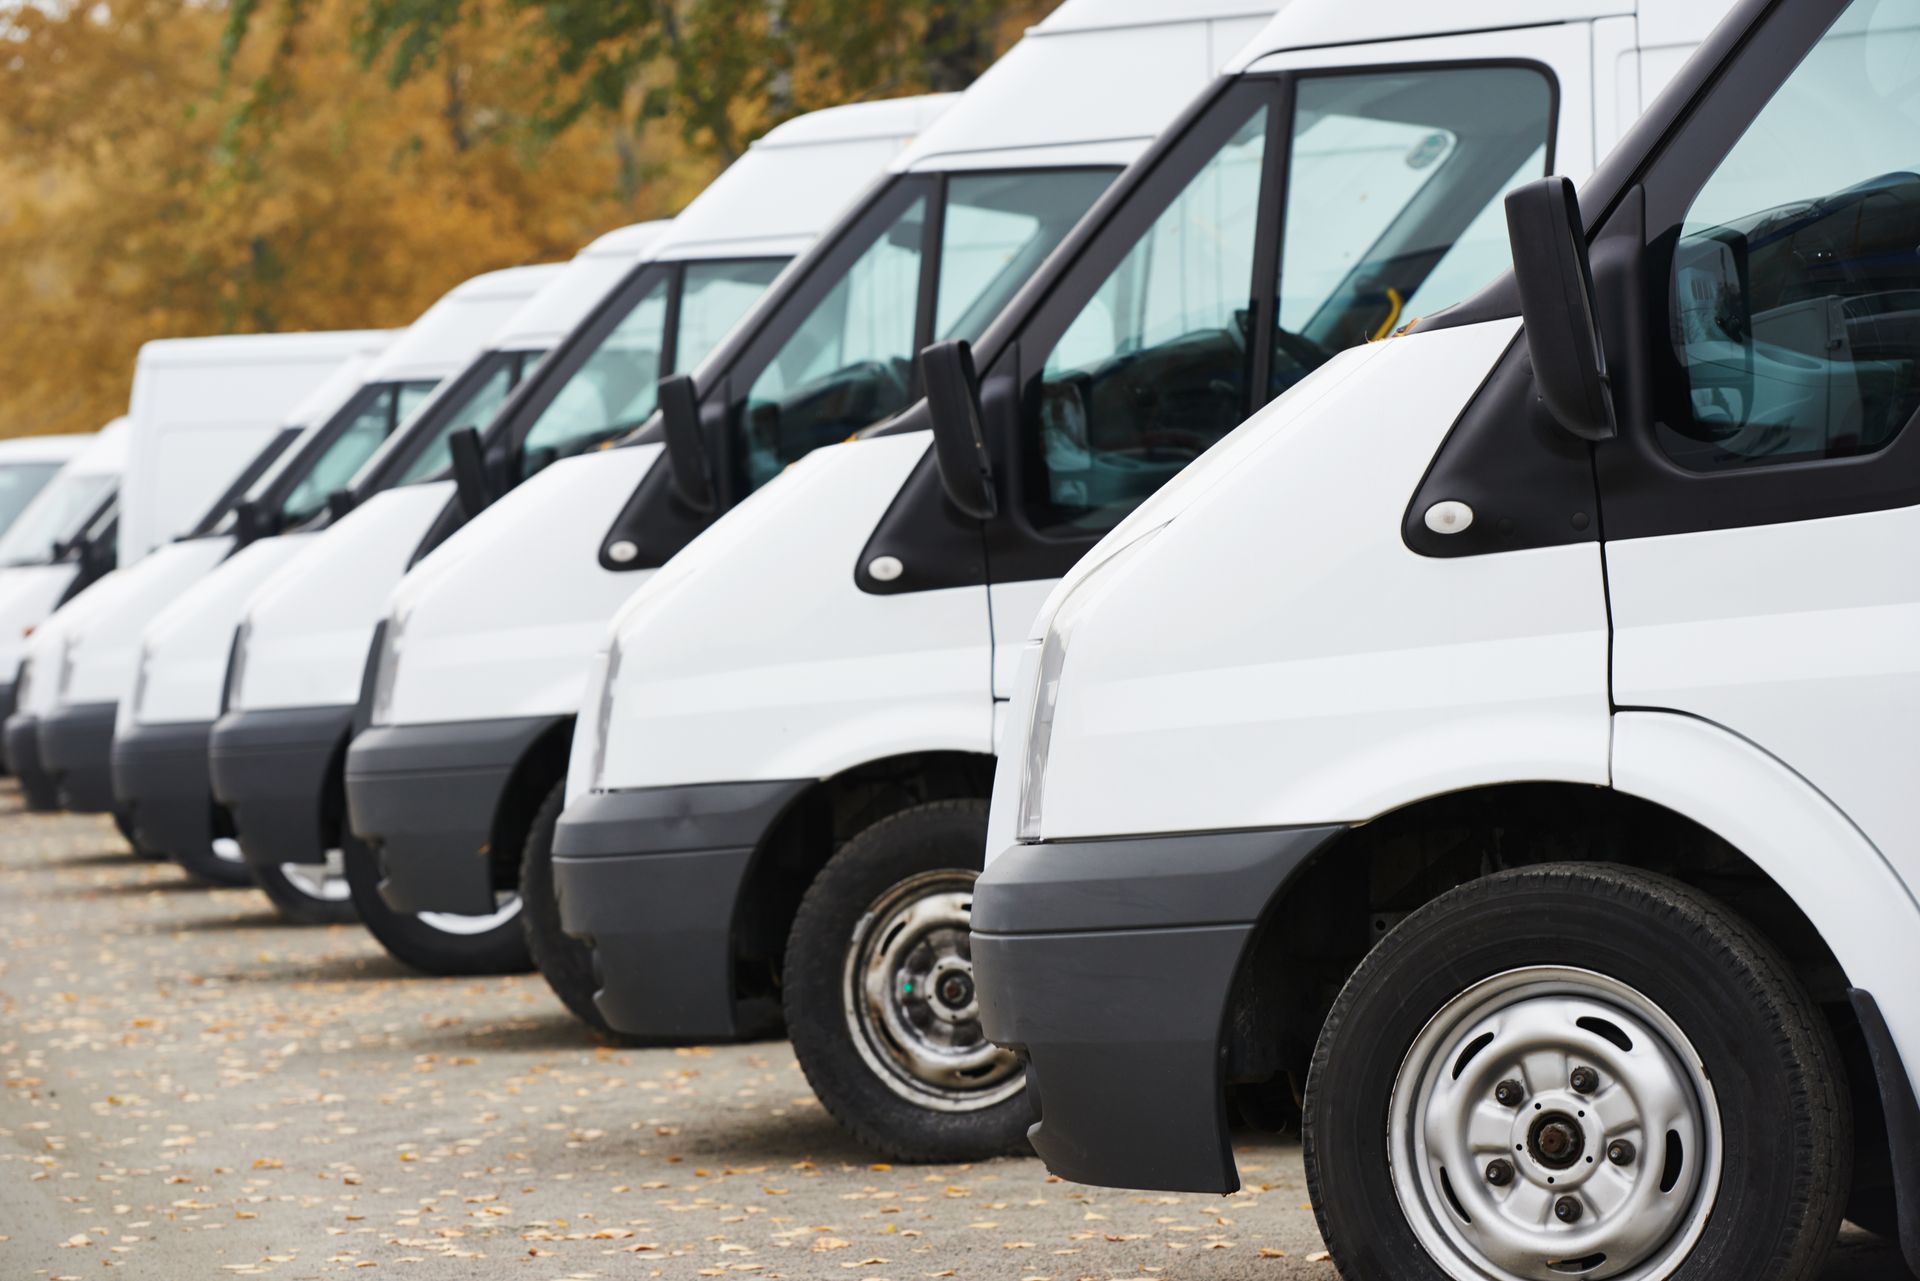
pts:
pixel 542 764
pixel 815 823
pixel 1689 799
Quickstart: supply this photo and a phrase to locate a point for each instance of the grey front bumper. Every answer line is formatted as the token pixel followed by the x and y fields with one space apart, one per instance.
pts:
pixel 650 880
pixel 1108 965
pixel 273 770
pixel 425 798
pixel 76 749
pixel 162 787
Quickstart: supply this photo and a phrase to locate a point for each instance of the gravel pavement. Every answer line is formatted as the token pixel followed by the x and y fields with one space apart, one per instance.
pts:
pixel 189 1089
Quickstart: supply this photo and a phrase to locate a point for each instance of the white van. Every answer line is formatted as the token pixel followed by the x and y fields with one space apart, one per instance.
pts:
pixel 459 781
pixel 38 561
pixel 28 465
pixel 304 647
pixel 174 642
pixel 207 417
pixel 778 798
pixel 1509 735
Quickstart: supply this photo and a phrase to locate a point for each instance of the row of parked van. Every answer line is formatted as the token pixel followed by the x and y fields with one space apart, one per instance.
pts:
pixel 1452 648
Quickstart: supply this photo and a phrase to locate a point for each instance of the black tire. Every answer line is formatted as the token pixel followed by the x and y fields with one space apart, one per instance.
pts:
pixel 124 825
pixel 1785 1116
pixel 298 906
pixel 941 836
pixel 415 943
pixel 565 963
pixel 208 868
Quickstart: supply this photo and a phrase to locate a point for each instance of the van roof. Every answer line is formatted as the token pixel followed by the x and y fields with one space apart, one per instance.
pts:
pixel 1315 24
pixel 320 404
pixel 1092 85
pixel 106 450
pixel 571 293
pixel 625 242
pixel 794 183
pixel 242 349
pixel 460 325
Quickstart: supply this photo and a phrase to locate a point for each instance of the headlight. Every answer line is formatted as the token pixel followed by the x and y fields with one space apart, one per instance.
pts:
pixel 1046 691
pixel 386 668
pixel 603 717
pixel 140 679
pixel 236 667
pixel 67 646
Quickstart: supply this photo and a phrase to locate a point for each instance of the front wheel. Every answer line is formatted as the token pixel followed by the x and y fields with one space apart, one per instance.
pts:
pixel 436 942
pixel 565 962
pixel 219 863
pixel 880 999
pixel 310 893
pixel 1576 1070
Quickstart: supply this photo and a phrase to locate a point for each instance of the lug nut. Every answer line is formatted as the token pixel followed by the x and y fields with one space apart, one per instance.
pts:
pixel 1510 1093
pixel 1567 1210
pixel 1499 1172
pixel 1620 1152
pixel 1585 1080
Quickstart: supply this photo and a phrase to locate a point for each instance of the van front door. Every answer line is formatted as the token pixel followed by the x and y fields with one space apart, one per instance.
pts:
pixel 1763 529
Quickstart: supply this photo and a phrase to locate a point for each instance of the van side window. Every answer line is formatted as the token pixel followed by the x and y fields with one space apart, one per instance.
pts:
pixel 713 297
pixel 1794 291
pixel 1154 369
pixel 351 448
pixel 849 363
pixel 613 392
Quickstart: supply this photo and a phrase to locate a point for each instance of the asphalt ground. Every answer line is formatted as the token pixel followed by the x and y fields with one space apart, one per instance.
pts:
pixel 191 1089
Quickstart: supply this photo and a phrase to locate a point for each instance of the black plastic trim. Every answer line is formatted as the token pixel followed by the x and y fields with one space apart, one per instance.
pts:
pixel 425 798
pixel 270 768
pixel 76 748
pixel 1902 1113
pixel 1129 1087
pixel 651 880
pixel 162 787
pixel 22 742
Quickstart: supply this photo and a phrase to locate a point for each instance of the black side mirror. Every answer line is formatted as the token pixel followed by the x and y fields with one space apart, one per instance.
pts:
pixel 1555 280
pixel 959 436
pixel 339 503
pixel 686 444
pixel 469 470
pixel 249 522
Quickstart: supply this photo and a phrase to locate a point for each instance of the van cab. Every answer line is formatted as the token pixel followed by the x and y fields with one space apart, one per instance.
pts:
pixel 462 355
pixel 208 416
pixel 1506 737
pixel 789 818
pixel 458 782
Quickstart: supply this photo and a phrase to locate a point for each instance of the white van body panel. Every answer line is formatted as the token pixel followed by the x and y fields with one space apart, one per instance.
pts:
pixel 523 660
pixel 1808 625
pixel 843 677
pixel 309 625
pixel 567 293
pixel 202 409
pixel 475 646
pixel 1851 892
pixel 47 648
pixel 184 663
pixel 183 652
pixel 31 586
pixel 101 657
pixel 1538 668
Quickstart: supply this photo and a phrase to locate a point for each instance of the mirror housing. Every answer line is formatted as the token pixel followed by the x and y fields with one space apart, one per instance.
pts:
pixel 959 433
pixel 1555 281
pixel 249 522
pixel 339 503
pixel 687 455
pixel 469 470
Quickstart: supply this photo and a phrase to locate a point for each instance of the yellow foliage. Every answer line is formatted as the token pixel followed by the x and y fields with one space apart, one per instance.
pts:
pixel 136 203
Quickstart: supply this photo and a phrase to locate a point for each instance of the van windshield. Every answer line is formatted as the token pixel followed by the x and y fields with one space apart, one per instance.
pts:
pixel 473 401
pixel 56 515
pixel 672 320
pixel 847 363
pixel 19 483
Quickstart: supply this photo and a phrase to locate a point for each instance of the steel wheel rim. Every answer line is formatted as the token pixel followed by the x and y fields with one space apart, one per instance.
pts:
pixel 1637 1219
pixel 324 882
pixel 911 1003
pixel 227 850
pixel 507 907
